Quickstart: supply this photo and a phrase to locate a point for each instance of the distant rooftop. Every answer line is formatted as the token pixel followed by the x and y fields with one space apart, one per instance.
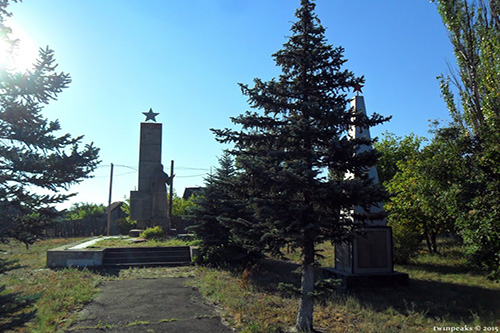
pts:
pixel 189 191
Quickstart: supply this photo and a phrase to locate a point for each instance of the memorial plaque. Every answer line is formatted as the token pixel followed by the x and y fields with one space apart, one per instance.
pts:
pixel 372 250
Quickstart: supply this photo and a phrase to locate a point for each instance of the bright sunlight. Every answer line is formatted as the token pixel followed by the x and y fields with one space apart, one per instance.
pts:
pixel 24 54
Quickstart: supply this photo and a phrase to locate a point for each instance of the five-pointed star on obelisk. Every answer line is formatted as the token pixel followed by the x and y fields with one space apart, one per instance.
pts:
pixel 357 89
pixel 150 115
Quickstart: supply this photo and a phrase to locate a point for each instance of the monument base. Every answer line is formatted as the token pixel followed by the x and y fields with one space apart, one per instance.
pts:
pixel 154 222
pixel 350 280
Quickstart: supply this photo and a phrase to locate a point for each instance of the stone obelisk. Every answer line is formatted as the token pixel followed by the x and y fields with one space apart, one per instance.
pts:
pixel 367 259
pixel 148 205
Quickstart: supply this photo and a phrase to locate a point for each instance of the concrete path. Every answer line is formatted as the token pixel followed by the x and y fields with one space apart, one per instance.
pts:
pixel 91 242
pixel 148 305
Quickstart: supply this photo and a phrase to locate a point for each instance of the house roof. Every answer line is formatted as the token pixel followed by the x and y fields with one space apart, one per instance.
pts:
pixel 189 191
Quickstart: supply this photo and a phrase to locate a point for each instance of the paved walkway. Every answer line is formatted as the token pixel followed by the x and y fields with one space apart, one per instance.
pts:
pixel 149 305
pixel 91 242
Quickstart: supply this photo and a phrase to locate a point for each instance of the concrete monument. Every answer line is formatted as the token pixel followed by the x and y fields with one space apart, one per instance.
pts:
pixel 148 205
pixel 367 259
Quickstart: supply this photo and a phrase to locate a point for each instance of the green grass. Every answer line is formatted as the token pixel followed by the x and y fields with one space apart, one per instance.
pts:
pixel 442 292
pixel 60 292
pixel 127 242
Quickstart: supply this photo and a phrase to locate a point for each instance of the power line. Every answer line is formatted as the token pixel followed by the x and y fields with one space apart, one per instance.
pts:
pixel 126 166
pixel 203 174
pixel 122 174
pixel 135 169
pixel 190 168
pixel 116 165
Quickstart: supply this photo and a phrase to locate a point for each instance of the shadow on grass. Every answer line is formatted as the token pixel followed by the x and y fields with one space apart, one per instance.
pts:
pixel 102 271
pixel 446 301
pixel 271 272
pixel 16 309
pixel 441 268
pixel 433 299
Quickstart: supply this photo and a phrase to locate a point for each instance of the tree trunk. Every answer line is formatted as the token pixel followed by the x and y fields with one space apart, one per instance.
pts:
pixel 434 243
pixel 428 241
pixel 306 308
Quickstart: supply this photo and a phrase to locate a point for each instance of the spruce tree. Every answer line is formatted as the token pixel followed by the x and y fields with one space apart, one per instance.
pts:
pixel 34 157
pixel 216 210
pixel 295 138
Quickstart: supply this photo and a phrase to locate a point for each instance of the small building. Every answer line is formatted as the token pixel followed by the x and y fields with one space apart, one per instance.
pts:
pixel 190 191
pixel 116 214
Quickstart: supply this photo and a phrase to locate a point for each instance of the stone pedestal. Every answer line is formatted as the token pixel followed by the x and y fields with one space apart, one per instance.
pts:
pixel 148 205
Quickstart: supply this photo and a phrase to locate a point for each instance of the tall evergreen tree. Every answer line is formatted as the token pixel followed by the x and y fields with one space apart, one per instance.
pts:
pixel 32 153
pixel 32 156
pixel 285 150
pixel 217 209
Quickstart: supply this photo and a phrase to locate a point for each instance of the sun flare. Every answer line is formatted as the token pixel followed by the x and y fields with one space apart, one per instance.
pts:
pixel 23 55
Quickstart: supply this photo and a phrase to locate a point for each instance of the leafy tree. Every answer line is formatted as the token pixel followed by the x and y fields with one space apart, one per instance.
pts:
pixel 397 151
pixel 427 187
pixel 216 211
pixel 85 210
pixel 475 34
pixel 180 205
pixel 474 29
pixel 283 151
pixel 126 224
pixel 478 219
pixel 394 149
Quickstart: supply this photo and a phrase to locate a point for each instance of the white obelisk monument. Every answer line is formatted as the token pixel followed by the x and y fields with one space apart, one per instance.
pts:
pixel 367 259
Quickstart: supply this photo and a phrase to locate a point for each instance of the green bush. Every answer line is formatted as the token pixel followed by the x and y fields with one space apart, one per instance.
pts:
pixel 80 211
pixel 125 225
pixel 406 242
pixel 153 233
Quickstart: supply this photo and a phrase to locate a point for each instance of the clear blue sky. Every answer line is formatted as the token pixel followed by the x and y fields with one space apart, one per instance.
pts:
pixel 185 58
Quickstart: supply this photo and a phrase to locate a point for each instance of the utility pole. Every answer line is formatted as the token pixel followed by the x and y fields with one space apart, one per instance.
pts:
pixel 109 199
pixel 171 192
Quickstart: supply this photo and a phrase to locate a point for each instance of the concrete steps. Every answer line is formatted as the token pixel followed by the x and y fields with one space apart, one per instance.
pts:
pixel 147 256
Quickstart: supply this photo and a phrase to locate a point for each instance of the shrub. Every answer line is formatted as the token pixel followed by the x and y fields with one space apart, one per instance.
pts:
pixel 406 242
pixel 153 233
pixel 125 225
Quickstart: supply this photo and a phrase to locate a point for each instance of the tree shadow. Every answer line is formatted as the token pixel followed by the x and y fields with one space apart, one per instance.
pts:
pixel 433 299
pixel 446 301
pixel 441 268
pixel 271 272
pixel 16 309
pixel 99 270
pixel 108 271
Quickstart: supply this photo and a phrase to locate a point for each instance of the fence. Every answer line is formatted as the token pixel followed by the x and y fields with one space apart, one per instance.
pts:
pixel 98 226
pixel 78 228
